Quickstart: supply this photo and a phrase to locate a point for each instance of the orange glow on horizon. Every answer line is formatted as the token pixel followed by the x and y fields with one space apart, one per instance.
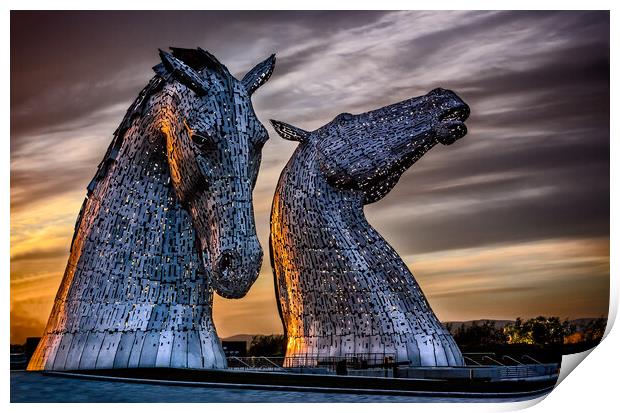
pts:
pixel 562 277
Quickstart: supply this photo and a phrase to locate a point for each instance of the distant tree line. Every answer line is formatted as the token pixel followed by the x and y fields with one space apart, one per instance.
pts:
pixel 268 346
pixel 592 333
pixel 540 332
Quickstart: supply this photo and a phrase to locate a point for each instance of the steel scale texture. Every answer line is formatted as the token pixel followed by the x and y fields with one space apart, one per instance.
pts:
pixel 167 221
pixel 341 288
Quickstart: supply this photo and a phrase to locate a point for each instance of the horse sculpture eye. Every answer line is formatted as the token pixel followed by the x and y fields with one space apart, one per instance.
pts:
pixel 202 139
pixel 344 117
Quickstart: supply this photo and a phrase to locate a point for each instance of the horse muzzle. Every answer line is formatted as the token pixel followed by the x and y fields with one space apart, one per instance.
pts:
pixel 234 272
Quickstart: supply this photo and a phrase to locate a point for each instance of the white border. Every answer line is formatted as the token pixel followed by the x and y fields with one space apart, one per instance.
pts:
pixel 588 388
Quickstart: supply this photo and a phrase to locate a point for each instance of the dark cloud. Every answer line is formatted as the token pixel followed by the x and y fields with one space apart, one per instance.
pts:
pixel 561 213
pixel 554 186
pixel 66 64
pixel 29 187
pixel 64 104
pixel 485 292
pixel 40 255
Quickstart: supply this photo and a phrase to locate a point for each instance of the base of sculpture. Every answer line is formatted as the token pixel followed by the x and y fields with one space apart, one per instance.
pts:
pixel 106 350
pixel 430 351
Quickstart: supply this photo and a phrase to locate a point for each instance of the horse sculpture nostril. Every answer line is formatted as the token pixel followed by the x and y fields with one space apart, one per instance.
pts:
pixel 458 113
pixel 227 260
pixel 233 274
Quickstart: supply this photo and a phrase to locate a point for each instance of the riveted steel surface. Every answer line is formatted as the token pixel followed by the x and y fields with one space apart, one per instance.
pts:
pixel 341 288
pixel 167 221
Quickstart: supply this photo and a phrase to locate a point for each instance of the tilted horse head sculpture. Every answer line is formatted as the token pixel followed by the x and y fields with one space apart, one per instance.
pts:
pixel 167 220
pixel 370 151
pixel 341 288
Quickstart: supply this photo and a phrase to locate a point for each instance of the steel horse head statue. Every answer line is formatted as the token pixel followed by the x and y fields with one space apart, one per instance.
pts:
pixel 341 288
pixel 167 220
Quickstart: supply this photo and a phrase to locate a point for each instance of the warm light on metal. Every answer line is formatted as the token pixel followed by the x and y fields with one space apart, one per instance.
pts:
pixel 167 220
pixel 341 288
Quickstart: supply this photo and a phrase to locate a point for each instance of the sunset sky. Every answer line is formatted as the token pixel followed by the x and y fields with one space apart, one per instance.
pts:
pixel 512 220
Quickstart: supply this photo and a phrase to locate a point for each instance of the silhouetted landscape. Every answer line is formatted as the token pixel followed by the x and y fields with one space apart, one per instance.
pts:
pixel 544 338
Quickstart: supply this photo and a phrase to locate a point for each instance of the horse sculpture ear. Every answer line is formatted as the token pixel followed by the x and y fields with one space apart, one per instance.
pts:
pixel 289 132
pixel 183 73
pixel 260 74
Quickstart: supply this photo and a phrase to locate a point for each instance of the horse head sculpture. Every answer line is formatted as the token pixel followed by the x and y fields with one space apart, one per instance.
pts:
pixel 167 220
pixel 341 288
pixel 214 142
pixel 370 151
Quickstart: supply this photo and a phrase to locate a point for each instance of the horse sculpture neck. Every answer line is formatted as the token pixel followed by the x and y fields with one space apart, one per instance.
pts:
pixel 342 288
pixel 134 273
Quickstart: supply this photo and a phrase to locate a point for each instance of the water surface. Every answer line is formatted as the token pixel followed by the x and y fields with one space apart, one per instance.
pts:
pixel 35 387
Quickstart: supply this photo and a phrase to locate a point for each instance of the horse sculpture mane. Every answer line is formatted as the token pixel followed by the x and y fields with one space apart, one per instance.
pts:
pixel 166 221
pixel 342 289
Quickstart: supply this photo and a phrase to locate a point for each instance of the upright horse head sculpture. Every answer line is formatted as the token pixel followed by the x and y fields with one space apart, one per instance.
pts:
pixel 341 287
pixel 214 143
pixel 167 220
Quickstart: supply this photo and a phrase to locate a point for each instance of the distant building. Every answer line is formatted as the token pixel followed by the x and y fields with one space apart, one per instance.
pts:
pixel 30 346
pixel 21 353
